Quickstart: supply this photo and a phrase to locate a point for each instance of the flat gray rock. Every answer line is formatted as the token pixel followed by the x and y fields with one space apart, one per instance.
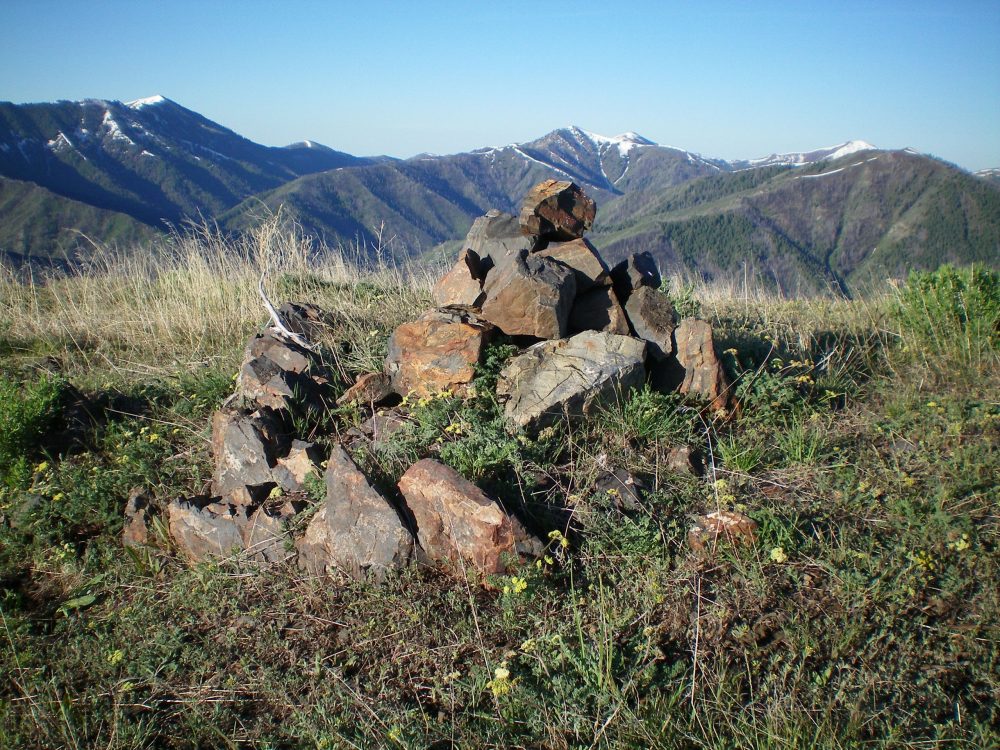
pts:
pixel 569 378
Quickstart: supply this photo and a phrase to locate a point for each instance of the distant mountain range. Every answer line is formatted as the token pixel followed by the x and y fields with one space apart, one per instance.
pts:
pixel 114 172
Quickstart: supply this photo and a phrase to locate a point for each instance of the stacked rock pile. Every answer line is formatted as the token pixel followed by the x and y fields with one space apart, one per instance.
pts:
pixel 589 334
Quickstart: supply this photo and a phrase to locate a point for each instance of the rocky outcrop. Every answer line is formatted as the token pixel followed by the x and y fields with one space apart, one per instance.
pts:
pixel 356 531
pixel 458 523
pixel 567 379
pixel 598 310
pixel 557 210
pixel 496 239
pixel 589 269
pixel 244 447
pixel 282 375
pixel 206 527
pixel 530 296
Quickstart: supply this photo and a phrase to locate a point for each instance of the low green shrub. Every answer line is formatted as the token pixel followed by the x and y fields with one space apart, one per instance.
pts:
pixel 28 414
pixel 950 318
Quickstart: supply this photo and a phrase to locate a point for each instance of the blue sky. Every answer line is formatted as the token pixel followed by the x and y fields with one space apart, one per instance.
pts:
pixel 726 79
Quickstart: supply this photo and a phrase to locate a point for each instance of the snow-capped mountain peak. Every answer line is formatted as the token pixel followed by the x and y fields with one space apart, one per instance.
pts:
pixel 625 142
pixel 808 157
pixel 147 102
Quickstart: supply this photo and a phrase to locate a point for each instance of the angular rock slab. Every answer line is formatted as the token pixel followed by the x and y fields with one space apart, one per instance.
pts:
pixel 637 270
pixel 696 367
pixel 598 310
pixel 356 531
pixel 279 374
pixel 430 356
pixel 569 378
pixel 369 388
pixel 206 527
pixel 244 448
pixel 458 523
pixel 588 267
pixel 531 296
pixel 265 535
pixel 653 319
pixel 463 284
pixel 557 210
pixel 496 239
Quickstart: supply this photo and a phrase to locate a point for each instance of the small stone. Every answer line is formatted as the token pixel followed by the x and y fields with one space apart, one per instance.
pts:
pixel 557 210
pixel 463 284
pixel 266 537
pixel 569 378
pixel 356 531
pixel 598 310
pixel 621 487
pixel 531 296
pixel 685 460
pixel 292 470
pixel 653 320
pixel 726 525
pixel 457 522
pixel 370 388
pixel 138 516
pixel 430 356
pixel 306 319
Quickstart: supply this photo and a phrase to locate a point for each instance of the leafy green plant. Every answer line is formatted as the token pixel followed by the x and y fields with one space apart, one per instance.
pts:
pixel 950 318
pixel 28 414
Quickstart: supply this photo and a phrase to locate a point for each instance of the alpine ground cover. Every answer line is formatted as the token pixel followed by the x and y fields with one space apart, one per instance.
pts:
pixel 862 441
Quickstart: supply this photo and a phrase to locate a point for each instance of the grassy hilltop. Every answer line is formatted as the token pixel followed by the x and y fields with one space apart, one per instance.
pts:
pixel 863 442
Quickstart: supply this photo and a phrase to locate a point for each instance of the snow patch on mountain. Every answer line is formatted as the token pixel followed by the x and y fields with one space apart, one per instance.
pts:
pixel 624 142
pixel 147 102
pixel 808 157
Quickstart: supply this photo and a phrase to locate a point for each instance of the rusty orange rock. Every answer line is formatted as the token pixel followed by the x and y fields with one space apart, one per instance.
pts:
pixel 432 356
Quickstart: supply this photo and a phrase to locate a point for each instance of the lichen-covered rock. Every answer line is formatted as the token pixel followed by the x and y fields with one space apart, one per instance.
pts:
pixel 431 356
pixel 458 523
pixel 721 525
pixel 653 319
pixel 566 379
pixel 557 210
pixel 356 531
pixel 530 296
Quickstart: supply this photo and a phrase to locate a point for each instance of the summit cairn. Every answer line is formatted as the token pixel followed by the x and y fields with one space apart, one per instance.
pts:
pixel 587 335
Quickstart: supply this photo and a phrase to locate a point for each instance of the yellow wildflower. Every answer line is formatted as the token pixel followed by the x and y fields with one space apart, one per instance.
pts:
pixel 778 555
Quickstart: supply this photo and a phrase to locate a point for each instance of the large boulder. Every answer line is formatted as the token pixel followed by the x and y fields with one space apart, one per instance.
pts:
pixel 598 310
pixel 553 380
pixel 588 267
pixel 530 296
pixel 696 368
pixel 463 284
pixel 356 531
pixel 653 319
pixel 557 210
pixel 458 523
pixel 432 355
